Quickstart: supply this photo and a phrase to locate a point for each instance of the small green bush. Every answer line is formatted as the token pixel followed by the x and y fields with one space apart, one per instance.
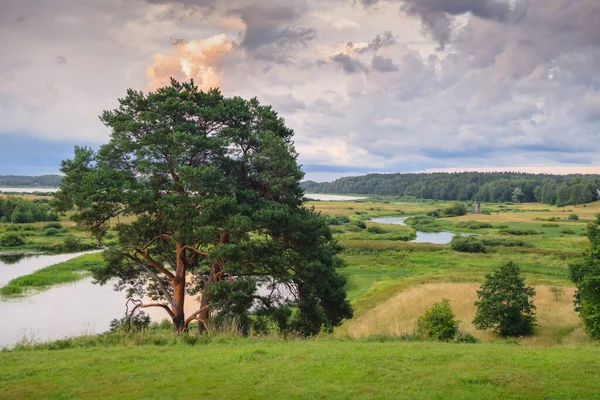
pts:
pixel 467 244
pixel 360 224
pixel 455 210
pixel 474 225
pixel 12 240
pixel 573 217
pixel 550 225
pixel 377 230
pixel 496 242
pixel 51 232
pixel 567 231
pixel 52 225
pixel 518 232
pixel 438 322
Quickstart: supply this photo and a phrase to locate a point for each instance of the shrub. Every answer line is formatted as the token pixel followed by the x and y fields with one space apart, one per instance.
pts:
pixel 377 230
pixel 51 232
pixel 567 231
pixel 550 225
pixel 467 244
pixel 12 240
pixel 518 232
pixel 360 224
pixel 474 225
pixel 52 225
pixel 557 292
pixel 456 210
pixel 438 322
pixel 573 217
pixel 505 242
pixel 505 303
pixel 137 323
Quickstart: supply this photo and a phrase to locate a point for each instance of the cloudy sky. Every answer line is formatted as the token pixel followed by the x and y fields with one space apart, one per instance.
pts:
pixel 367 85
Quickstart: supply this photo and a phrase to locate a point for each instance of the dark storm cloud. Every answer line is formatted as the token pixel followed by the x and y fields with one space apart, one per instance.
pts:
pixel 379 42
pixel 383 64
pixel 349 65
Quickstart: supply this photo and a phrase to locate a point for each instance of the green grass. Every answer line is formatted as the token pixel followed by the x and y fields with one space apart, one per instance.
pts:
pixel 68 271
pixel 325 368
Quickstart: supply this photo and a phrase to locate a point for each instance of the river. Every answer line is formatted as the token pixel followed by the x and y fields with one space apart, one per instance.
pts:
pixel 28 190
pixel 422 237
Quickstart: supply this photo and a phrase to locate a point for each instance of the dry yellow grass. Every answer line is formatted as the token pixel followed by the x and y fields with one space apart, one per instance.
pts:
pixel 557 320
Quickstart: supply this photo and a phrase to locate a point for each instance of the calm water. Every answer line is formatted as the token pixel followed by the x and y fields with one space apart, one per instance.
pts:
pixel 29 190
pixel 72 309
pixel 66 310
pixel 14 266
pixel 331 197
pixel 422 237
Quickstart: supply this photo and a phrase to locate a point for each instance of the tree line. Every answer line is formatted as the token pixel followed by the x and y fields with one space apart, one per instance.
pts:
pixel 19 181
pixel 560 190
pixel 19 211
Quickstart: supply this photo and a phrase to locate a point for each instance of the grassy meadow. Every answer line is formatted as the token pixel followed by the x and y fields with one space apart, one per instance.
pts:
pixel 391 282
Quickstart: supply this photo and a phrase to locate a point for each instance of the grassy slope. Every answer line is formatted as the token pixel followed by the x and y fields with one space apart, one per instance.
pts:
pixel 68 271
pixel 247 369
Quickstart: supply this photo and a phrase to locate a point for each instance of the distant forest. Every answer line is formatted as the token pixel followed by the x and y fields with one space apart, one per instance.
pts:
pixel 558 190
pixel 29 181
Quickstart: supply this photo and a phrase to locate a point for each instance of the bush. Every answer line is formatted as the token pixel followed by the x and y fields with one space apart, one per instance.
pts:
pixel 377 230
pixel 557 292
pixel 456 210
pixel 505 242
pixel 360 224
pixel 52 225
pixel 474 225
pixel 467 244
pixel 12 240
pixel 51 232
pixel 518 232
pixel 550 225
pixel 505 303
pixel 567 231
pixel 573 217
pixel 137 323
pixel 423 224
pixel 438 322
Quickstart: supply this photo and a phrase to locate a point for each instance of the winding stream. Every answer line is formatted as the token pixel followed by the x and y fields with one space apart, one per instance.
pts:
pixel 422 237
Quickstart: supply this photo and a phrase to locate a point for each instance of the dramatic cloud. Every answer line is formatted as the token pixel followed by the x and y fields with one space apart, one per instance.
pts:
pixel 199 60
pixel 368 85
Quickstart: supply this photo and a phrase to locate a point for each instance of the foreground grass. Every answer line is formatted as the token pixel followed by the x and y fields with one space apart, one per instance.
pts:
pixel 65 272
pixel 273 368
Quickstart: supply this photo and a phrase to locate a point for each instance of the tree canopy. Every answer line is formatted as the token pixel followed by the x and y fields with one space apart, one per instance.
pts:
pixel 586 276
pixel 204 193
pixel 504 303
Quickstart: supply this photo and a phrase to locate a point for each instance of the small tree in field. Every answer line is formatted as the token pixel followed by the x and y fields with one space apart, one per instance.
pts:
pixel 204 193
pixel 505 303
pixel 438 322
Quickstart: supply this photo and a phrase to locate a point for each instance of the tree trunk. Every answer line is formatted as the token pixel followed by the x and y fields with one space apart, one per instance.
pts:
pixel 179 291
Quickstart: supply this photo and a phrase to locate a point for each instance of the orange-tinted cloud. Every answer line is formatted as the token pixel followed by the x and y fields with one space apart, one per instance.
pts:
pixel 199 60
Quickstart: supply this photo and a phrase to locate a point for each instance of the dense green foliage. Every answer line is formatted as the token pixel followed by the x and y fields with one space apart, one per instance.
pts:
pixel 12 239
pixel 211 188
pixel 487 187
pixel 20 181
pixel 455 210
pixel 19 211
pixel 586 276
pixel 438 322
pixel 504 303
pixel 467 244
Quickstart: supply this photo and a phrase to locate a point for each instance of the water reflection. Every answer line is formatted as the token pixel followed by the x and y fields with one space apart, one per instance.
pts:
pixel 74 309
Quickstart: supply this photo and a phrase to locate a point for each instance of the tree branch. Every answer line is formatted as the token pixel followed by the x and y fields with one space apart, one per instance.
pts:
pixel 146 254
pixel 157 279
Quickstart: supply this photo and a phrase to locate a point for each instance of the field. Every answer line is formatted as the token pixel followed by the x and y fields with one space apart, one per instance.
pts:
pixel 325 368
pixel 391 282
